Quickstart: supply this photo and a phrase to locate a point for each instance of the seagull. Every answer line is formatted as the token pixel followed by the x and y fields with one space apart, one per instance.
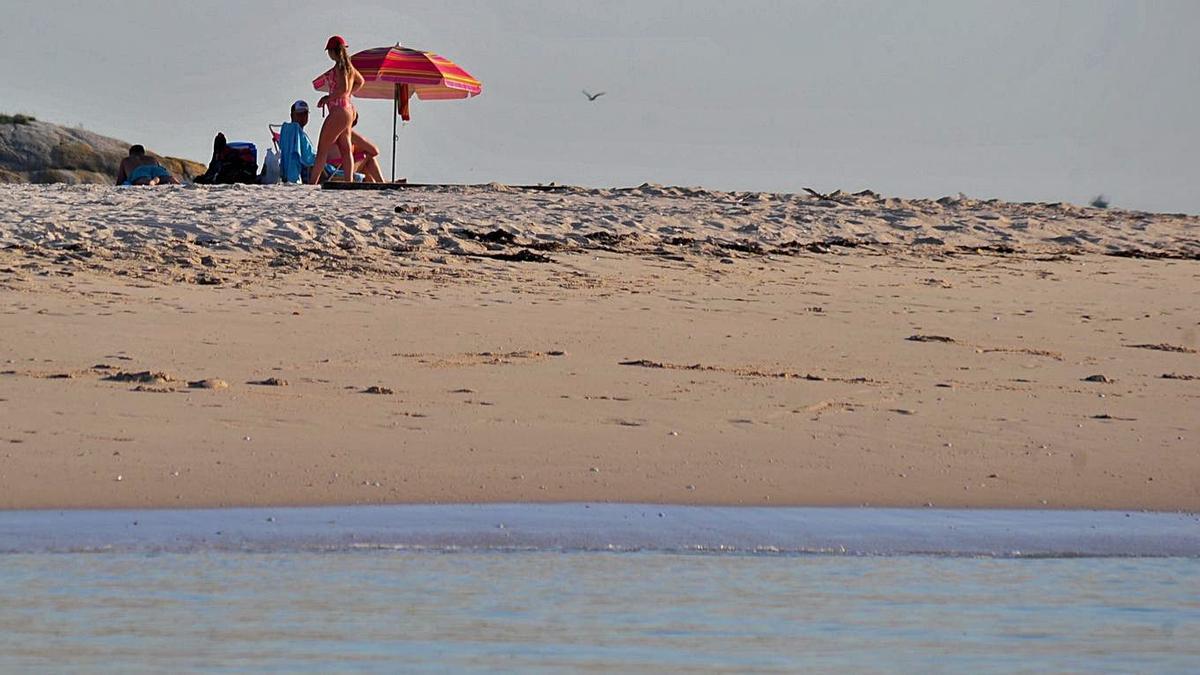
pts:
pixel 593 97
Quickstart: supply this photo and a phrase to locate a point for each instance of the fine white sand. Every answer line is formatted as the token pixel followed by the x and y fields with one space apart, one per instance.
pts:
pixel 451 220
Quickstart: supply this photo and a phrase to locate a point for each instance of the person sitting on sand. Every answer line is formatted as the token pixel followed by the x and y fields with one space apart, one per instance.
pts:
pixel 296 154
pixel 142 169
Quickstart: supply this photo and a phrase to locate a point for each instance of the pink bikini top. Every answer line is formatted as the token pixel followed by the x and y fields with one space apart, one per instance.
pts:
pixel 338 96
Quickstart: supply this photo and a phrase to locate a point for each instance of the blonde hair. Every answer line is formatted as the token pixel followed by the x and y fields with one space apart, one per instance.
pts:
pixel 343 65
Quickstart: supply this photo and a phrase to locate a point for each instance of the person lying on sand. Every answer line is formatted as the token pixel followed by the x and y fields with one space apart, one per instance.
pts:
pixel 142 169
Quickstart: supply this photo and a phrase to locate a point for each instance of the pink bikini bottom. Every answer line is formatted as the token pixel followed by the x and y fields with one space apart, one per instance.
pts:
pixel 341 102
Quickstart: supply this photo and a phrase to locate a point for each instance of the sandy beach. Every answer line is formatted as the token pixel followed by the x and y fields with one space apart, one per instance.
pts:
pixel 275 346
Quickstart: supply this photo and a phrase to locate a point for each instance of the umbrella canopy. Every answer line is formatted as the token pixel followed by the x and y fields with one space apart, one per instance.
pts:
pixel 429 76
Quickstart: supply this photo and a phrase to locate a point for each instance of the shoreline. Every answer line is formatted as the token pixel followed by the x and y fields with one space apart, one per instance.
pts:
pixel 617 528
pixel 203 348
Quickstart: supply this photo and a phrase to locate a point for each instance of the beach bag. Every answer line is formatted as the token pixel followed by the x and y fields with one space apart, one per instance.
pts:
pixel 270 169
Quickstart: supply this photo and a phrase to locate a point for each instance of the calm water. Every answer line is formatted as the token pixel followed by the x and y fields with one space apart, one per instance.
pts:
pixel 271 604
pixel 385 610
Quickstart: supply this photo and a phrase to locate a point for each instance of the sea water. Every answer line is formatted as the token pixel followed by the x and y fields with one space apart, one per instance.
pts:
pixel 598 587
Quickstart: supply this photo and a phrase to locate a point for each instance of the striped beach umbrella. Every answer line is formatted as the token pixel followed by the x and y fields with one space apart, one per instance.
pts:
pixel 399 73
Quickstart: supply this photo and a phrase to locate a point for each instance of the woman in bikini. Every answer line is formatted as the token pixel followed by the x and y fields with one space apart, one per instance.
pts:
pixel 336 130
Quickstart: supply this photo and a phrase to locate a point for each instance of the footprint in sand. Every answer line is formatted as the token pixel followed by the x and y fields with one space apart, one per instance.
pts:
pixel 745 372
pixel 481 358
pixel 1163 347
pixel 144 377
pixel 269 382
pixel 987 350
pixel 930 338
pixel 821 407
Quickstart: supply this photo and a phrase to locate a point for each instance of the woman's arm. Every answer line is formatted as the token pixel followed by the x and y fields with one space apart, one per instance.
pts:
pixel 358 83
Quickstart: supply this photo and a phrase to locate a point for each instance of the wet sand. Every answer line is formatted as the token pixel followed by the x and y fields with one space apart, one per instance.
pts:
pixel 198 348
pixel 607 527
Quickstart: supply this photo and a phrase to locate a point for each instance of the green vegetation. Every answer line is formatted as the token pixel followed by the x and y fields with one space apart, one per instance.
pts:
pixel 16 119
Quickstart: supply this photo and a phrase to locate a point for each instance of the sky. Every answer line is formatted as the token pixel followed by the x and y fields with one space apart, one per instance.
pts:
pixel 1049 100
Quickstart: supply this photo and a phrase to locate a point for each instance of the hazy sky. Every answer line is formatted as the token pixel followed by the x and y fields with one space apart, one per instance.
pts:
pixel 1019 100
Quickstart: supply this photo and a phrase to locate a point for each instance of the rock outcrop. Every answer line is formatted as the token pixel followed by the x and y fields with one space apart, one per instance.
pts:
pixel 40 152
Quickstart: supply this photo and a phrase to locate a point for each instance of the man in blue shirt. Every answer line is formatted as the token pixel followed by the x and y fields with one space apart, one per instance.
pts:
pixel 296 154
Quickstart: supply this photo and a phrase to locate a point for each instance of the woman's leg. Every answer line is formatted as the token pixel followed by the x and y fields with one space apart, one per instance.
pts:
pixel 369 166
pixel 347 150
pixel 362 145
pixel 335 126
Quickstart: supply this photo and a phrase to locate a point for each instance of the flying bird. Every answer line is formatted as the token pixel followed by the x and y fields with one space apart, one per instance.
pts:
pixel 593 97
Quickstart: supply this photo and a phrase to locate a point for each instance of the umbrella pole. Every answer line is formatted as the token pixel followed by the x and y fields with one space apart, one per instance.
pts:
pixel 395 112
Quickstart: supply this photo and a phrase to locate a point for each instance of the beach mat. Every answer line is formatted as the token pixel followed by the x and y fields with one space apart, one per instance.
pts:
pixel 341 185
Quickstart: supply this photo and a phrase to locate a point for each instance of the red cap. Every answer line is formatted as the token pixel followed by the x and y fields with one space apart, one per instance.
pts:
pixel 335 41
